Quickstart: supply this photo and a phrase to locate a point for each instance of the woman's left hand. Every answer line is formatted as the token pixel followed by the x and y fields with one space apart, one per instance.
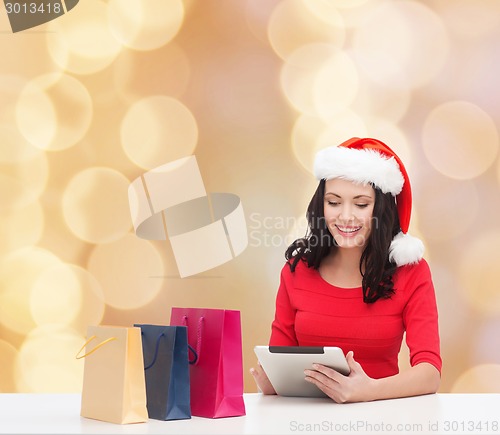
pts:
pixel 357 387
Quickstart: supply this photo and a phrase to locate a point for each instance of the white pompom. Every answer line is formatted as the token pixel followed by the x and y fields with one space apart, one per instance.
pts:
pixel 406 249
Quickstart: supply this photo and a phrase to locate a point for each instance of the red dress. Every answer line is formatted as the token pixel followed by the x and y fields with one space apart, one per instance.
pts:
pixel 312 312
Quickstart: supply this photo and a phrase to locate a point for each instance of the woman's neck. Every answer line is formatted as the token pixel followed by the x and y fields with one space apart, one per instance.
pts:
pixel 341 268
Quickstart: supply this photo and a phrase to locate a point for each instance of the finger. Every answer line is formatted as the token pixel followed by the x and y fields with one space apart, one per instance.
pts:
pixel 321 378
pixel 351 361
pixel 262 381
pixel 257 372
pixel 353 364
pixel 332 393
pixel 328 372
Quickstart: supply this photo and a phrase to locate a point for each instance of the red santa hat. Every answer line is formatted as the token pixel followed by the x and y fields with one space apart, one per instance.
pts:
pixel 371 161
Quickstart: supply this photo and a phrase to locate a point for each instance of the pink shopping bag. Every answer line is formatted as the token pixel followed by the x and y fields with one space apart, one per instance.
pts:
pixel 217 376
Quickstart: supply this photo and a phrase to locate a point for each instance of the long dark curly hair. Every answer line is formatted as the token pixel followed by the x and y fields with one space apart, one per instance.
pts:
pixel 375 267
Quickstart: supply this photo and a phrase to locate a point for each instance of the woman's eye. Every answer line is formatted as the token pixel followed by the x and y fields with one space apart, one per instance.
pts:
pixel 333 203
pixel 362 205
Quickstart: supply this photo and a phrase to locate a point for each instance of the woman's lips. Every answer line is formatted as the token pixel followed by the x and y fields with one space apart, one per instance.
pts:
pixel 347 231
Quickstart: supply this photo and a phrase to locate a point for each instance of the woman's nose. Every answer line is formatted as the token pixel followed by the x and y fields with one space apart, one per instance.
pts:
pixel 345 213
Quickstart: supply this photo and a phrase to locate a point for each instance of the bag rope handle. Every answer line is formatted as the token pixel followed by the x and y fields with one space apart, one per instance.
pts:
pixel 102 343
pixel 157 346
pixel 199 333
pixel 156 351
pixel 195 355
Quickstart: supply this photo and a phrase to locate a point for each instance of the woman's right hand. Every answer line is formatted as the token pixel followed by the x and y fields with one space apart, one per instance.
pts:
pixel 262 380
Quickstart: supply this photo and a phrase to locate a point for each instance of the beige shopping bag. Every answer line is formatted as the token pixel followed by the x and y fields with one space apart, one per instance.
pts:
pixel 114 387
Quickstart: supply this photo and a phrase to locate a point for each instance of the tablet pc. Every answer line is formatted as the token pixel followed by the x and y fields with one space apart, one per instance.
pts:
pixel 285 365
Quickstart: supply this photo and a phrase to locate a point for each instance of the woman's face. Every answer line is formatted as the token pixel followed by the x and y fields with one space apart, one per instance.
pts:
pixel 348 209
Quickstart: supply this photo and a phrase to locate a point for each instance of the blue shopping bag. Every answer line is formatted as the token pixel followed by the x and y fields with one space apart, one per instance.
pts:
pixel 166 369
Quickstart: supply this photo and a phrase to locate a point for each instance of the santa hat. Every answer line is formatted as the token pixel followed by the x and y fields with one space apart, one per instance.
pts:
pixel 371 161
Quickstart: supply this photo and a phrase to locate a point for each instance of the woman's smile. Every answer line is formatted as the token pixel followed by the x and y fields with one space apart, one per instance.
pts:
pixel 348 231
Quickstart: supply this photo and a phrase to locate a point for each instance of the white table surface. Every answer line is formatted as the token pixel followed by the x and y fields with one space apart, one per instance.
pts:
pixel 433 414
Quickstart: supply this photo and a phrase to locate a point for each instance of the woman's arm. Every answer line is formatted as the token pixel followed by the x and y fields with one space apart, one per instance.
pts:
pixel 422 378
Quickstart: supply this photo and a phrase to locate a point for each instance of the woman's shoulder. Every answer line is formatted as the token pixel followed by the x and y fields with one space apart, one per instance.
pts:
pixel 297 267
pixel 412 275
pixel 420 268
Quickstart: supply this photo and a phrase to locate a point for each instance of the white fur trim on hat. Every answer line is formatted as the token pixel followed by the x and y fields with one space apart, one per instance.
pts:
pixel 405 249
pixel 362 166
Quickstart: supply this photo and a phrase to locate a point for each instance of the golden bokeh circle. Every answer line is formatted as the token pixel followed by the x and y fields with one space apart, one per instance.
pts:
pixel 8 356
pixel 341 127
pixel 479 272
pixel 145 24
pixel 68 295
pixel 460 139
pixel 299 75
pixel 82 42
pixel 92 304
pixel 19 271
pixel 54 112
pixel 21 227
pixel 355 13
pixel 129 271
pixel 336 85
pixel 46 362
pixel 157 130
pixel 328 11
pixel 35 106
pixel 95 205
pixel 14 148
pixel 439 222
pixel 389 103
pixel 24 182
pixel 340 5
pixel 393 49
pixel 305 135
pixel 257 17
pixel 307 28
pixel 56 296
pixel 482 378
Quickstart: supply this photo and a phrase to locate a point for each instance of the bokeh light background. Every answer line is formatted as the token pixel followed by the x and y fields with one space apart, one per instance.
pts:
pixel 253 88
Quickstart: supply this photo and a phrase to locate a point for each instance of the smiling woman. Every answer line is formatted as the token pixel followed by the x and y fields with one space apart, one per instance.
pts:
pixel 358 280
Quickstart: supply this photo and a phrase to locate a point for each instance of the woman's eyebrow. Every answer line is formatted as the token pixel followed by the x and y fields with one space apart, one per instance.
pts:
pixel 354 197
pixel 334 194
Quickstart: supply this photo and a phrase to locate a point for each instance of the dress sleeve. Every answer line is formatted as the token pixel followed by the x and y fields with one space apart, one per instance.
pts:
pixel 283 326
pixel 420 317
